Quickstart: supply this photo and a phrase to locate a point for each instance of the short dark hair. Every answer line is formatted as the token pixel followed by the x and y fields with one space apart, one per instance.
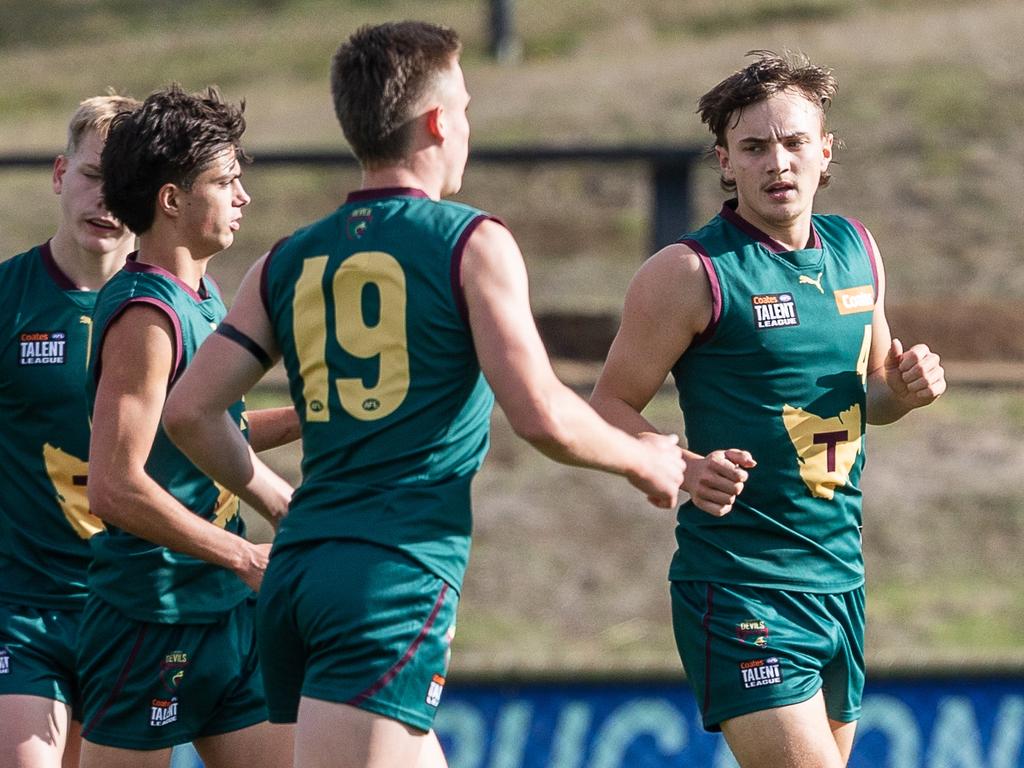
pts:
pixel 377 77
pixel 170 139
pixel 769 74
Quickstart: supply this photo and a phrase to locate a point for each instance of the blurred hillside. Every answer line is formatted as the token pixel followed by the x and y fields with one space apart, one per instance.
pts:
pixel 569 567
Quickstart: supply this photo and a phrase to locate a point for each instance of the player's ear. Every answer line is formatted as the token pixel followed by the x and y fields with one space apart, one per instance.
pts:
pixel 826 151
pixel 168 200
pixel 60 167
pixel 436 126
pixel 722 153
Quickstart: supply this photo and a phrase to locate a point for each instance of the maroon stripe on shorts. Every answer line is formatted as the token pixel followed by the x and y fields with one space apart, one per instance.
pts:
pixel 706 623
pixel 116 690
pixel 390 675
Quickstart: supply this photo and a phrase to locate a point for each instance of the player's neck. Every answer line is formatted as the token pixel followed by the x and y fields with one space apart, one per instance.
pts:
pixel 87 270
pixel 177 259
pixel 407 176
pixel 792 234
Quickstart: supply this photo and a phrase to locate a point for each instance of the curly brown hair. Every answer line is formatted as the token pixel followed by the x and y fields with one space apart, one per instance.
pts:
pixel 769 74
pixel 171 139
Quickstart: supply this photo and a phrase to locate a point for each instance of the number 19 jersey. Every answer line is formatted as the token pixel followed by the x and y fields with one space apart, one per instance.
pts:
pixel 368 312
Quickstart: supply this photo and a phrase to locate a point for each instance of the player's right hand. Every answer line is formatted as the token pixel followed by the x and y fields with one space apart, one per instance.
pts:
pixel 662 469
pixel 715 480
pixel 254 565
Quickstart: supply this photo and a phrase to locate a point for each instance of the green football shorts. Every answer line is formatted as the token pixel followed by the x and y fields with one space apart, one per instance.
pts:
pixel 151 686
pixel 747 649
pixel 354 623
pixel 37 654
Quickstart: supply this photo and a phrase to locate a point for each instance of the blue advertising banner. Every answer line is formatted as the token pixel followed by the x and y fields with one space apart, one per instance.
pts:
pixel 961 723
pixel 926 723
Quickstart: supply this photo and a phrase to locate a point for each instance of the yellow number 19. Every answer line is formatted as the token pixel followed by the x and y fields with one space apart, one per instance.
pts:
pixel 385 340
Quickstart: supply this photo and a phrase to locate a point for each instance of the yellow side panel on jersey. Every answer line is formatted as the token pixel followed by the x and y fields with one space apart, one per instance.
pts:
pixel 63 468
pixel 826 448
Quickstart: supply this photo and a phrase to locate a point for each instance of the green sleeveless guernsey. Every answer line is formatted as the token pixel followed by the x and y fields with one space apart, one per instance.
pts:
pixel 780 372
pixel 367 309
pixel 45 524
pixel 144 581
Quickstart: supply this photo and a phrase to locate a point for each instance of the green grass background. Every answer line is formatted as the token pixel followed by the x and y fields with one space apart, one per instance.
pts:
pixel 568 570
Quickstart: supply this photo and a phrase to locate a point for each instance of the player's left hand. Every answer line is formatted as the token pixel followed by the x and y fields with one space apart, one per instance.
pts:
pixel 915 376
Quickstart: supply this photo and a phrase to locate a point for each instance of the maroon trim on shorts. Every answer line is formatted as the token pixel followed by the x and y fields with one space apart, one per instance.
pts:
pixel 706 623
pixel 716 292
pixel 116 690
pixel 390 675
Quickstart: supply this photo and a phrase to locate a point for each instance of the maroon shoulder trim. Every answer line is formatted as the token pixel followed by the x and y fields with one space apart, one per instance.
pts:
pixel 868 248
pixel 716 292
pixel 134 265
pixel 54 271
pixel 179 345
pixel 390 675
pixel 458 251
pixel 362 195
pixel 265 273
pixel 730 214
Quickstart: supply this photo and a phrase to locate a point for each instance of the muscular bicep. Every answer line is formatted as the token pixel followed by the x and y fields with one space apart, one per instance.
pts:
pixel 137 359
pixel 667 304
pixel 508 346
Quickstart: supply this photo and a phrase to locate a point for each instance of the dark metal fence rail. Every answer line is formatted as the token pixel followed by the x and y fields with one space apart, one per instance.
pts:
pixel 670 168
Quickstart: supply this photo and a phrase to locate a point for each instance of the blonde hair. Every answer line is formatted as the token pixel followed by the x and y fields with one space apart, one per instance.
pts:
pixel 96 114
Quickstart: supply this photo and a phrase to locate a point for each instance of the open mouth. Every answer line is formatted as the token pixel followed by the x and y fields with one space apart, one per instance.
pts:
pixel 103 223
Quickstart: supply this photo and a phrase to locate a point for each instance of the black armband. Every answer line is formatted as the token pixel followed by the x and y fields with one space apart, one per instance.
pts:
pixel 229 331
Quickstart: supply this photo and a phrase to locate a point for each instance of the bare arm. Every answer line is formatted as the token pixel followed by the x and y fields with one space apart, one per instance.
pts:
pixel 273 427
pixel 898 380
pixel 196 417
pixel 539 407
pixel 668 304
pixel 137 356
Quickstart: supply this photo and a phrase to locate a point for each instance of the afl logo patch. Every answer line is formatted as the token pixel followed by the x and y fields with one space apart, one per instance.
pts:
pixel 774 310
pixel 42 347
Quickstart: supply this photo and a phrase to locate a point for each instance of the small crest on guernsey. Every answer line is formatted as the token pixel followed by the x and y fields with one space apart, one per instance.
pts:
pixel 434 690
pixel 774 310
pixel 172 670
pixel 358 222
pixel 42 347
pixel 5 661
pixel 163 712
pixel 754 631
pixel 760 672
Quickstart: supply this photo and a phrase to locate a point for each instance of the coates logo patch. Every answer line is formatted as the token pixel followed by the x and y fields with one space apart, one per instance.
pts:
pixel 755 632
pixel 774 310
pixel 758 672
pixel 172 670
pixel 163 712
pixel 42 347
pixel 5 661
pixel 358 222
pixel 851 300
pixel 435 690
